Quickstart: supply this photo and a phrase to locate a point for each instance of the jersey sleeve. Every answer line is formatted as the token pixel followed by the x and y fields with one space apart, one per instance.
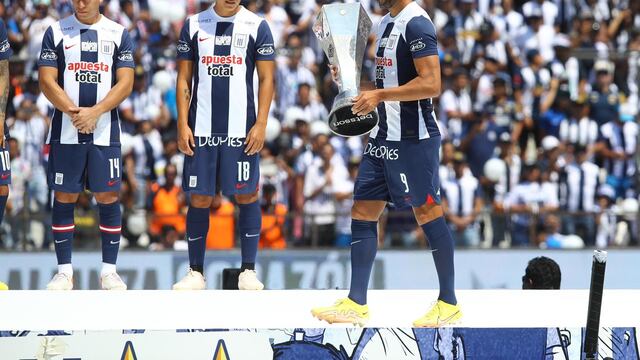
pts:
pixel 185 44
pixel 5 48
pixel 420 36
pixel 124 57
pixel 264 43
pixel 49 50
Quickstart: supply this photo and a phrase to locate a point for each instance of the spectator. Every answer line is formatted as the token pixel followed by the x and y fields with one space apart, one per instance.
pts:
pixel 222 226
pixel 457 110
pixel 274 215
pixel 536 35
pixel 147 152
pixel 549 236
pixel 617 145
pixel 290 75
pixel 579 129
pixel 167 205
pixel 504 110
pixel 344 202
pixel 462 200
pixel 542 273
pixel 319 192
pixel 548 9
pixel 581 181
pixel 501 189
pixel 604 98
pixel 312 109
pixel 526 201
pixel 37 24
pixel 606 218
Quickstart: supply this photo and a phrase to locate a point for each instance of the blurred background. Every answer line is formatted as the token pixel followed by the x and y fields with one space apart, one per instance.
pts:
pixel 539 112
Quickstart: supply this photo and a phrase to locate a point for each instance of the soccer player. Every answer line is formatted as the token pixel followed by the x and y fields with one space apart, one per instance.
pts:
pixel 5 162
pixel 218 129
pixel 86 71
pixel 400 162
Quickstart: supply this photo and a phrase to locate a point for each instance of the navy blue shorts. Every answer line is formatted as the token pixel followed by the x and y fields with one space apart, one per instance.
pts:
pixel 220 163
pixel 76 167
pixel 5 165
pixel 402 172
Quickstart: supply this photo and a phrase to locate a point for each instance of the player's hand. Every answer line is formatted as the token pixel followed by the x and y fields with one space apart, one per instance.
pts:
pixel 186 143
pixel 2 142
pixel 255 139
pixel 335 71
pixel 366 102
pixel 85 119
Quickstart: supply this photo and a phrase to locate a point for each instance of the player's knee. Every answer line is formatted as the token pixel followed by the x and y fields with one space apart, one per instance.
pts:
pixel 247 198
pixel 4 190
pixel 106 197
pixel 201 201
pixel 427 213
pixel 367 210
pixel 66 198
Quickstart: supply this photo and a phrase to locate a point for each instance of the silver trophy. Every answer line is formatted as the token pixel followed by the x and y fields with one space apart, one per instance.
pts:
pixel 343 30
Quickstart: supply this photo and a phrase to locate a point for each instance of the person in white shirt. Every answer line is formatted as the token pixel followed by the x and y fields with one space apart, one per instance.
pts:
pixel 526 199
pixel 319 194
pixel 536 35
pixel 548 9
pixel 456 107
pixel 462 199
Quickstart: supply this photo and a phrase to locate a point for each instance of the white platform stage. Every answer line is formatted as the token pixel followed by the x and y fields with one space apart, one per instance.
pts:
pixel 161 310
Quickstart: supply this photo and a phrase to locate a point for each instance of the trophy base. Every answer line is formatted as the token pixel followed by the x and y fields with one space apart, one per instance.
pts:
pixel 343 122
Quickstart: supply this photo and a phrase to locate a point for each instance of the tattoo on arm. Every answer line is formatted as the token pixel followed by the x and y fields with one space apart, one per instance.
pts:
pixel 4 87
pixel 187 94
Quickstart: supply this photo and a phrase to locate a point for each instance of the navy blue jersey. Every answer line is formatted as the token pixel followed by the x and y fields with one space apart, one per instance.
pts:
pixel 224 51
pixel 87 57
pixel 401 39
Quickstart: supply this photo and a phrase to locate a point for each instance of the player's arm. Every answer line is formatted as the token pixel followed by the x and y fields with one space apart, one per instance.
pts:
pixel 86 118
pixel 265 65
pixel 255 137
pixel 186 142
pixel 4 96
pixel 185 58
pixel 421 39
pixel 48 80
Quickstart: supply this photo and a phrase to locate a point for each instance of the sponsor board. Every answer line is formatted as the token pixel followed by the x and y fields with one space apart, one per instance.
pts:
pixel 328 343
pixel 475 269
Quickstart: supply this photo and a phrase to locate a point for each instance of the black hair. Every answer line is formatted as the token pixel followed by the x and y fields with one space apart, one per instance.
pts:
pixel 542 273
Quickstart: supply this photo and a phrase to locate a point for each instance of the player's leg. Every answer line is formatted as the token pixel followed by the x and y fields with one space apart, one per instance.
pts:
pixel 65 175
pixel 416 179
pixel 5 178
pixel 103 179
pixel 198 180
pixel 249 225
pixel 239 176
pixel 370 194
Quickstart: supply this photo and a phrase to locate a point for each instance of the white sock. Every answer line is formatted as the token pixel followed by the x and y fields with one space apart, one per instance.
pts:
pixel 107 269
pixel 65 269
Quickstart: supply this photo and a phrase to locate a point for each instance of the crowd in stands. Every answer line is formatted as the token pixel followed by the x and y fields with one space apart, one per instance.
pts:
pixel 538 111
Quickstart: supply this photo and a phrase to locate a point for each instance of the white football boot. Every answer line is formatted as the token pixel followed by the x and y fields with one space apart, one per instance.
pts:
pixel 112 281
pixel 192 281
pixel 248 280
pixel 61 281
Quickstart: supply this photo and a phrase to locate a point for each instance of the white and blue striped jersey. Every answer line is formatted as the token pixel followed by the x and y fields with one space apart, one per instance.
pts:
pixel 620 137
pixel 87 58
pixel 400 40
pixel 224 51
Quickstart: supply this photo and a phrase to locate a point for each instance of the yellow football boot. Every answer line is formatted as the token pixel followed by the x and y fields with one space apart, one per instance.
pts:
pixel 441 314
pixel 343 311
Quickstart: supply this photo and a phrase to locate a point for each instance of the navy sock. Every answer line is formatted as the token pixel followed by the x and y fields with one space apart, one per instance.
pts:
pixel 63 226
pixel 364 245
pixel 110 228
pixel 3 205
pixel 249 224
pixel 197 229
pixel 441 243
